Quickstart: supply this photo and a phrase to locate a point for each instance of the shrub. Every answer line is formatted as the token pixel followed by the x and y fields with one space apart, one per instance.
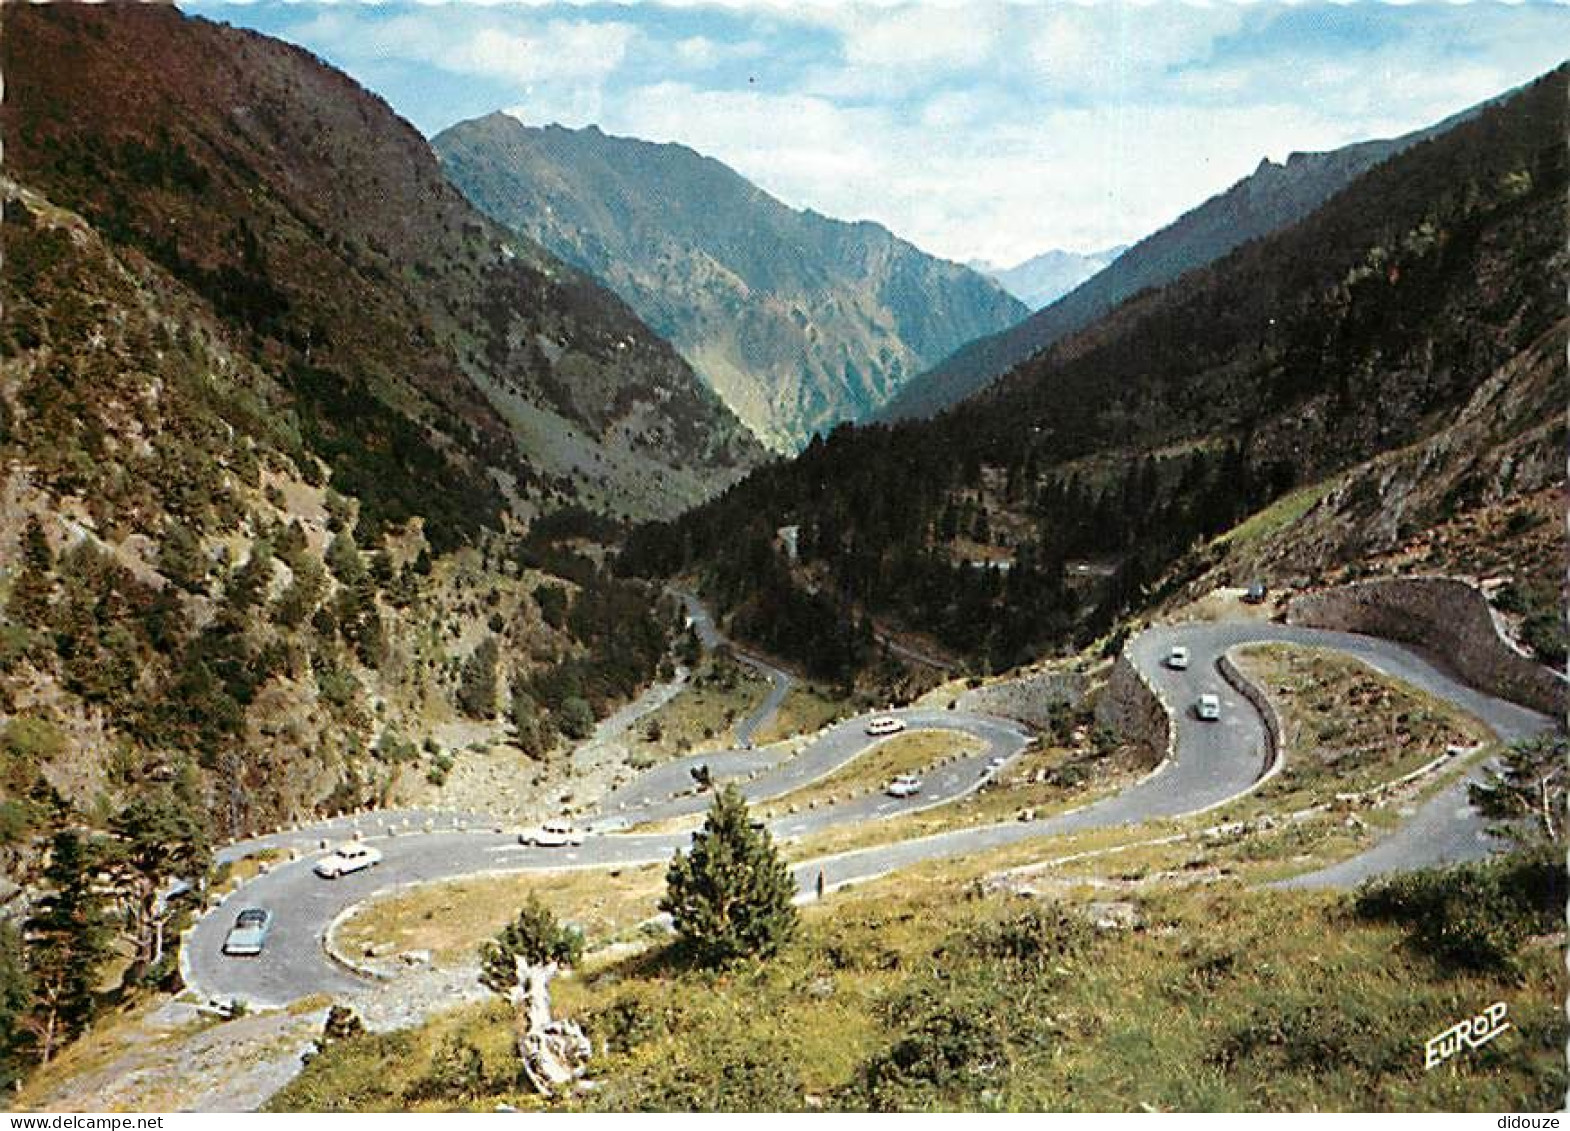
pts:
pixel 537 937
pixel 576 718
pixel 1474 916
pixel 952 1049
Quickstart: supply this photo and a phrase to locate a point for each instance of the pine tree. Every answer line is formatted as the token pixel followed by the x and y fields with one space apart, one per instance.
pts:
pixel 160 836
pixel 477 686
pixel 16 1002
pixel 67 942
pixel 731 896
pixel 30 594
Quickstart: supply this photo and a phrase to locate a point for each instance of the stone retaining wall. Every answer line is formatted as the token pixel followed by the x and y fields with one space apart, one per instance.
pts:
pixel 1131 708
pixel 1450 619
pixel 1248 689
pixel 1029 700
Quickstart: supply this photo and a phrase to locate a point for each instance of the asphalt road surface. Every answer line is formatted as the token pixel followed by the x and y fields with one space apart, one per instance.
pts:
pixel 1213 762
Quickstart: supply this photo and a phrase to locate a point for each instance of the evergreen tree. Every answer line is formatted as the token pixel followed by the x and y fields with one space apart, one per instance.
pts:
pixel 1531 784
pixel 477 686
pixel 576 717
pixel 731 896
pixel 160 836
pixel 30 594
pixel 343 558
pixel 181 560
pixel 16 1002
pixel 67 942
pixel 249 584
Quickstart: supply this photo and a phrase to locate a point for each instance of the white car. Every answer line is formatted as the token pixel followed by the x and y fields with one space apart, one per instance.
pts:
pixel 349 858
pixel 1208 707
pixel 552 834
pixel 906 785
pixel 1177 659
pixel 885 724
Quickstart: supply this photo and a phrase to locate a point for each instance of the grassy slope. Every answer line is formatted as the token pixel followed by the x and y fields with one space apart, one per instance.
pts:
pixel 948 999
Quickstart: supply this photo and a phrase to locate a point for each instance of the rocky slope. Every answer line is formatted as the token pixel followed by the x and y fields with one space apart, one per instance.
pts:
pixel 275 405
pixel 797 321
pixel 304 211
pixel 1270 199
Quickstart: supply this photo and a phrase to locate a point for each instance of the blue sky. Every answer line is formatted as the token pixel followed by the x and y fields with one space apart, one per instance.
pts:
pixel 981 129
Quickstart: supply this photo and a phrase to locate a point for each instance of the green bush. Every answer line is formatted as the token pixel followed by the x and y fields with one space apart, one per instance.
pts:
pixel 576 718
pixel 950 1051
pixel 1474 916
pixel 537 937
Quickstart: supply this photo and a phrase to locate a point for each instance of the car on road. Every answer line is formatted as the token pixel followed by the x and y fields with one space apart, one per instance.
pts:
pixel 1208 707
pixel 1256 593
pixel 885 724
pixel 552 834
pixel 1177 658
pixel 249 933
pixel 347 859
pixel 906 785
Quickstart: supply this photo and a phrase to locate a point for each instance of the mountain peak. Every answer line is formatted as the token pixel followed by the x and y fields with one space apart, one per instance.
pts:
pixel 797 320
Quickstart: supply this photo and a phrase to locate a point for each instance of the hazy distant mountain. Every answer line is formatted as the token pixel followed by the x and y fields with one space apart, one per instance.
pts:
pixel 1049 276
pixel 1268 200
pixel 796 320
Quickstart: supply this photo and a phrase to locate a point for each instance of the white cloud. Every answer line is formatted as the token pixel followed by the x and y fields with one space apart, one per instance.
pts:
pixel 923 36
pixel 1095 48
pixel 700 51
pixel 988 129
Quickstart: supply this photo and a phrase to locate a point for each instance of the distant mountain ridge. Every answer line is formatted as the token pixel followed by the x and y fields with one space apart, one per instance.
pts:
pixel 1421 294
pixel 1045 278
pixel 796 320
pixel 1271 198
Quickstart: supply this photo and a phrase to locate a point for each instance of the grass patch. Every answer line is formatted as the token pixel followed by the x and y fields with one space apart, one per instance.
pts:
pixel 1277 516
pixel 1040 781
pixel 913 752
pixel 806 709
pixel 701 716
pixel 1347 727
pixel 913 996
pixel 451 919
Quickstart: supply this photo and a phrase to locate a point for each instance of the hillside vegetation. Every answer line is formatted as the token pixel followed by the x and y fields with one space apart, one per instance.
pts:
pixel 1035 514
pixel 932 995
pixel 271 531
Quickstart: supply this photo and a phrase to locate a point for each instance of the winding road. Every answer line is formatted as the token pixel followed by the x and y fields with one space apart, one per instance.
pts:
pixel 1211 764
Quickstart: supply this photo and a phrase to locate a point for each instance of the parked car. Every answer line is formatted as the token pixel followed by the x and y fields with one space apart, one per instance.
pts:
pixel 249 933
pixel 346 859
pixel 1256 593
pixel 1208 707
pixel 906 785
pixel 885 724
pixel 1177 659
pixel 552 834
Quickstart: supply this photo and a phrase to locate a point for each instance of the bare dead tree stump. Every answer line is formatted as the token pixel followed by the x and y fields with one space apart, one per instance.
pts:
pixel 555 1054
